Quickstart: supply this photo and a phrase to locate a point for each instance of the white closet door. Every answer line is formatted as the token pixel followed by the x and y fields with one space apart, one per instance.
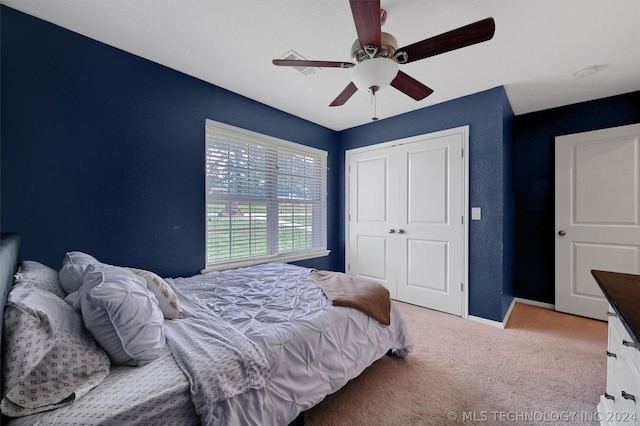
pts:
pixel 430 216
pixel 405 207
pixel 372 200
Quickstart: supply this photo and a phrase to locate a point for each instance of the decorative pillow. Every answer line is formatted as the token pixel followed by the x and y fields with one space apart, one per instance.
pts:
pixel 73 267
pixel 35 274
pixel 167 298
pixel 50 359
pixel 122 314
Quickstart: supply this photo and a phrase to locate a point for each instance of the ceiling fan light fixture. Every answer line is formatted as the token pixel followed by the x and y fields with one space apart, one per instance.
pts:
pixel 376 72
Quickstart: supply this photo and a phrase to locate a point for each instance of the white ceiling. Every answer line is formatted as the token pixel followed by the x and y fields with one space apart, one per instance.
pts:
pixel 537 48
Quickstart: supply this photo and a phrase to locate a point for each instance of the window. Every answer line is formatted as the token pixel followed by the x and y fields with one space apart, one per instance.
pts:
pixel 266 198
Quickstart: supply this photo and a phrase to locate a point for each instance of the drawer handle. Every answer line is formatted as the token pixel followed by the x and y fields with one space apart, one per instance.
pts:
pixel 628 343
pixel 611 355
pixel 628 396
pixel 611 314
pixel 611 397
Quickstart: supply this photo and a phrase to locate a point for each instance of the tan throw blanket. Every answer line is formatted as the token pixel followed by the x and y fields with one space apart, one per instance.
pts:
pixel 344 290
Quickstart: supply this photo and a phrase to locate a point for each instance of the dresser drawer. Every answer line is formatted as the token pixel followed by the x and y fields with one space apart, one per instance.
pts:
pixel 632 353
pixel 623 375
pixel 629 390
pixel 623 342
pixel 616 324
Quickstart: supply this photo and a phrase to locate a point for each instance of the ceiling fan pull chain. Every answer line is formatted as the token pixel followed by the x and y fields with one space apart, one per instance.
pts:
pixel 373 100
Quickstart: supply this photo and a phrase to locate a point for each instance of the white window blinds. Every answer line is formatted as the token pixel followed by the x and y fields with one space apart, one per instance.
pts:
pixel 266 198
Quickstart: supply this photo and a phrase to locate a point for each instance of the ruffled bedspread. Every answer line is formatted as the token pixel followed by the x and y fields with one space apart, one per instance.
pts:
pixel 313 348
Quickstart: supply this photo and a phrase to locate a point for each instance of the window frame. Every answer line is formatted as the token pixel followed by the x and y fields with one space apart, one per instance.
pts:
pixel 278 144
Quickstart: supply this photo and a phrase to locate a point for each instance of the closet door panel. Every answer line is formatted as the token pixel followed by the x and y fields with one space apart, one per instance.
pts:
pixel 430 215
pixel 427 265
pixel 369 251
pixel 371 200
pixel 427 186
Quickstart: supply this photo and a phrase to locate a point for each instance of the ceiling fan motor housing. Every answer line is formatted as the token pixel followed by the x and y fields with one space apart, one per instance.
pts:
pixel 388 48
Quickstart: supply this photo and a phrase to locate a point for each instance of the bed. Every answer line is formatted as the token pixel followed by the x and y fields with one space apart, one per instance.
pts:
pixel 257 345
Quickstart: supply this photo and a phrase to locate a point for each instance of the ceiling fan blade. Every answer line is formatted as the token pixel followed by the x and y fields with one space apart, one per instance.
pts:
pixel 455 39
pixel 410 86
pixel 345 95
pixel 366 15
pixel 318 64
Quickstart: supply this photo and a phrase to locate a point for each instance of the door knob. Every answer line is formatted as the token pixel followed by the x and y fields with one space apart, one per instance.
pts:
pixel 400 231
pixel 562 232
pixel 392 231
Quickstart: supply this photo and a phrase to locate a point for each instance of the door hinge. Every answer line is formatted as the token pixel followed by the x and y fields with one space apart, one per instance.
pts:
pixel 462 219
pixel 461 286
pixel 462 152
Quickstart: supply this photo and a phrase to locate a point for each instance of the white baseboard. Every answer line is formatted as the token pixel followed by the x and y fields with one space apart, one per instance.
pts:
pixel 503 324
pixel 535 303
pixel 508 314
pixel 485 321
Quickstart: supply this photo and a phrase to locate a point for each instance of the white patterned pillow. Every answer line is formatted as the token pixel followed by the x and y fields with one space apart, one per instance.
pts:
pixel 167 298
pixel 49 358
pixel 73 267
pixel 35 274
pixel 122 314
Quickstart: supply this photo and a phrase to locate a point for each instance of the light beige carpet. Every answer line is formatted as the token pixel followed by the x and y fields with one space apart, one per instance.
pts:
pixel 545 367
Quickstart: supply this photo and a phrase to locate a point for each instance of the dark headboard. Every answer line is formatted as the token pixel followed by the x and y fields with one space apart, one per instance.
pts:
pixel 9 258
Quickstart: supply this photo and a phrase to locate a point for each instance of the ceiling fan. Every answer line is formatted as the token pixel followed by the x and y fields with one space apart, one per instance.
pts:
pixel 375 57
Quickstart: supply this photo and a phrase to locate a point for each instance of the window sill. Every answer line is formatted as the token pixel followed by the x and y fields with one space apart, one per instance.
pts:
pixel 290 257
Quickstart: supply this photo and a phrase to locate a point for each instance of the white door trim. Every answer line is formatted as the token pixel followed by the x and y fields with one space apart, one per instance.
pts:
pixel 464 131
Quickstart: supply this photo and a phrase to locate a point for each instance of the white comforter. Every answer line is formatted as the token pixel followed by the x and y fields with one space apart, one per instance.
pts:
pixel 313 347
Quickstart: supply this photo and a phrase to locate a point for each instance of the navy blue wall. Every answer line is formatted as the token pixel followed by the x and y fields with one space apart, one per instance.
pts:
pixel 103 151
pixel 490 280
pixel 534 184
pixel 508 206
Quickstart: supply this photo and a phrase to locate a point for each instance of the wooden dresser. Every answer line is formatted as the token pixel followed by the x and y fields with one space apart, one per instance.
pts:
pixel 620 405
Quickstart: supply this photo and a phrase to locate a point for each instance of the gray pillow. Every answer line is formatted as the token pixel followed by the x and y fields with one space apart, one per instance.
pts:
pixel 50 359
pixel 72 271
pixel 122 314
pixel 35 274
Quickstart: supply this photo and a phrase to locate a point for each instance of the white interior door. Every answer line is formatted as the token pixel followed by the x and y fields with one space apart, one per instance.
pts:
pixel 597 202
pixel 430 216
pixel 406 202
pixel 370 200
